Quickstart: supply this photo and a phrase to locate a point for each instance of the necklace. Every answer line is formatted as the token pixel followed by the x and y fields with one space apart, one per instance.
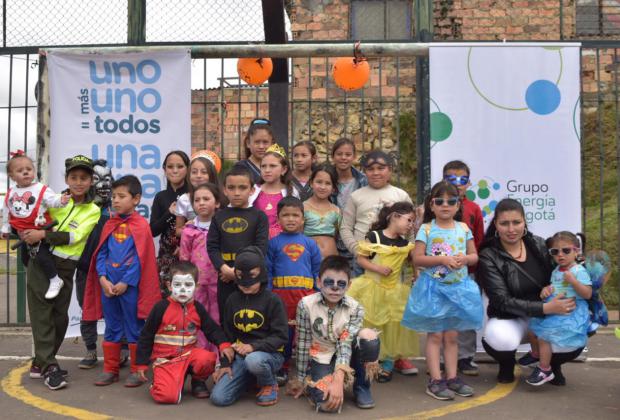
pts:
pixel 520 251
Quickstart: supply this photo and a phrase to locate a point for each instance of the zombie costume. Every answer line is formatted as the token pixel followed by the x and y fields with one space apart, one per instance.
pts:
pixel 169 340
pixel 327 341
pixel 194 250
pixel 125 254
pixel 384 297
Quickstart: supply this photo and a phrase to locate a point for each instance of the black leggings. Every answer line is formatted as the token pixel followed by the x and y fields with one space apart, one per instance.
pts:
pixel 506 359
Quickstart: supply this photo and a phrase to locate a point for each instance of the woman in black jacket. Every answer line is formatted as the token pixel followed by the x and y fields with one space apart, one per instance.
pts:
pixel 514 266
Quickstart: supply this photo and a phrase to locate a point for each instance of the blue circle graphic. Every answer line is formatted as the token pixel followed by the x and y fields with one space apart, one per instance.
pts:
pixel 496 186
pixel 542 97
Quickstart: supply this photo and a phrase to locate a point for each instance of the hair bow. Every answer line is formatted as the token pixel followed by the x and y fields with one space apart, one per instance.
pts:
pixel 18 152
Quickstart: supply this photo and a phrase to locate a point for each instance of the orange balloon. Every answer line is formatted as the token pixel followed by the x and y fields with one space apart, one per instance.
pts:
pixel 211 156
pixel 350 75
pixel 254 71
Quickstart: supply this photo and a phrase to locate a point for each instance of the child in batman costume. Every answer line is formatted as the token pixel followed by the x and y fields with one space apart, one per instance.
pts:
pixel 122 283
pixel 255 321
pixel 170 340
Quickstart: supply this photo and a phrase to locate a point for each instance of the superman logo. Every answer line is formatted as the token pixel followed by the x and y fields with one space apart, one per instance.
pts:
pixel 121 233
pixel 248 320
pixel 293 251
pixel 235 225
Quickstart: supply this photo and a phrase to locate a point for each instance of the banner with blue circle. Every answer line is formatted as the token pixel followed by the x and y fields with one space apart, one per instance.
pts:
pixel 511 112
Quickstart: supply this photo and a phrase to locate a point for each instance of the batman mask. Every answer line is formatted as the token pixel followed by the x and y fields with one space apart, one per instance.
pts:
pixel 250 266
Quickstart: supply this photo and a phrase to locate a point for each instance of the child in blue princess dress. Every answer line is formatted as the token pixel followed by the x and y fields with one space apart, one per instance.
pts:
pixel 444 299
pixel 568 331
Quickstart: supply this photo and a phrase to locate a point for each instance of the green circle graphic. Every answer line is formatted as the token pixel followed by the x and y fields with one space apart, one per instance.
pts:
pixel 441 126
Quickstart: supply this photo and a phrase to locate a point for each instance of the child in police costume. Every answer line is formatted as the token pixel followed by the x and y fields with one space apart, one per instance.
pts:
pixel 169 339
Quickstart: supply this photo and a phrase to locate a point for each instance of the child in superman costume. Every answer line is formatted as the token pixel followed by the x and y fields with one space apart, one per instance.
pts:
pixel 170 340
pixel 122 283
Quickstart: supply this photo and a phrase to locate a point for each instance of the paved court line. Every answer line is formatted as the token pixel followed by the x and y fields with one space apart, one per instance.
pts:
pixel 12 385
pixel 498 392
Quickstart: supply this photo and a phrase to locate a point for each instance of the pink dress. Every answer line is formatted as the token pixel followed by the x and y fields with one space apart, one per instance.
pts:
pixel 268 203
pixel 194 250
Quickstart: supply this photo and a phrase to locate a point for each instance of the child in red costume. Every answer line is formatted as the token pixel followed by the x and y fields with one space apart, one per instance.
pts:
pixel 122 283
pixel 169 339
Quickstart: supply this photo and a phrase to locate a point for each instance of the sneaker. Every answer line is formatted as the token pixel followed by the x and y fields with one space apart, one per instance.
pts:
pixel 199 389
pixel 54 288
pixel 558 379
pixel 405 367
pixel 106 378
pixel 54 379
pixel 528 360
pixel 459 387
pixel 282 377
pixel 35 372
pixel 385 371
pixel 539 376
pixel 89 361
pixel 438 389
pixel 467 367
pixel 268 395
pixel 134 380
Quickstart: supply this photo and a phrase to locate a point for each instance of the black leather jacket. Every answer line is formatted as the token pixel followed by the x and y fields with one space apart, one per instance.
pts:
pixel 510 294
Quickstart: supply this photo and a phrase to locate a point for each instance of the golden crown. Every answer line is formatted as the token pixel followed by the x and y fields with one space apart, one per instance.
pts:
pixel 276 148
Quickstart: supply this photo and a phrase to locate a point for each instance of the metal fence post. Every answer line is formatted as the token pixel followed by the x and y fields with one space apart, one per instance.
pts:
pixel 21 288
pixel 424 33
pixel 136 22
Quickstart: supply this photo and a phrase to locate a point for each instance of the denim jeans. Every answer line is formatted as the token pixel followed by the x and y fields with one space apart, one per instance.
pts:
pixel 258 364
pixel 365 351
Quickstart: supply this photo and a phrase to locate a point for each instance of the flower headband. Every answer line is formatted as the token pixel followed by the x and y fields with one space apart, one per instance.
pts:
pixel 17 153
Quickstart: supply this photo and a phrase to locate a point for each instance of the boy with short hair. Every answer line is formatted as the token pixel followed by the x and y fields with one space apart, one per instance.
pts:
pixel 457 173
pixel 233 228
pixel 255 321
pixel 330 338
pixel 293 262
pixel 169 339
pixel 124 270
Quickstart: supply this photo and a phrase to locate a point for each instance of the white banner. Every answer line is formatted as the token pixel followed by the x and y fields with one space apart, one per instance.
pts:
pixel 511 112
pixel 128 108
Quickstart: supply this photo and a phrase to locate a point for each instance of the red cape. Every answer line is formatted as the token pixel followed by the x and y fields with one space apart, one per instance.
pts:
pixel 148 288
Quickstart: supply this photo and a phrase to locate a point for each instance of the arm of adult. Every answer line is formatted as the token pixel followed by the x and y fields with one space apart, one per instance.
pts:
pixel 159 216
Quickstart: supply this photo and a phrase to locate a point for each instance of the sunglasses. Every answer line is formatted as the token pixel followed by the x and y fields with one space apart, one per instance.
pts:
pixel 457 180
pixel 565 251
pixel 260 121
pixel 329 282
pixel 441 201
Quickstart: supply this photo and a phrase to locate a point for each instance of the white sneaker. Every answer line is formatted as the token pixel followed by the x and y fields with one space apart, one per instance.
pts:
pixel 55 285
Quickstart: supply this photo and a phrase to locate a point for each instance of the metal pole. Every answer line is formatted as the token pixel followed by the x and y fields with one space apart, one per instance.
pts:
pixel 136 22
pixel 396 49
pixel 424 33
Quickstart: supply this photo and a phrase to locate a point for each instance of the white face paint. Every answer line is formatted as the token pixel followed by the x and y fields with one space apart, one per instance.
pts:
pixel 333 285
pixel 183 286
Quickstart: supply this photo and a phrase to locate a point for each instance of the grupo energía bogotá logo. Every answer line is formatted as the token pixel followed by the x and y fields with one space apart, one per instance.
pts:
pixel 485 192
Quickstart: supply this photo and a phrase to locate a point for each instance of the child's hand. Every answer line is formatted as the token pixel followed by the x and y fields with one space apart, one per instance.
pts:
pixel 227 274
pixel 292 323
pixel 450 262
pixel 173 208
pixel 64 198
pixel 142 374
pixel 217 375
pixel 383 270
pixel 229 353
pixel 4 236
pixel 461 260
pixel 119 288
pixel 107 286
pixel 570 278
pixel 546 292
pixel 243 349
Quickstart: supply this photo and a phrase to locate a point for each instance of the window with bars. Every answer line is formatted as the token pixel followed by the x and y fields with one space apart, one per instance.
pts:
pixel 381 19
pixel 597 17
